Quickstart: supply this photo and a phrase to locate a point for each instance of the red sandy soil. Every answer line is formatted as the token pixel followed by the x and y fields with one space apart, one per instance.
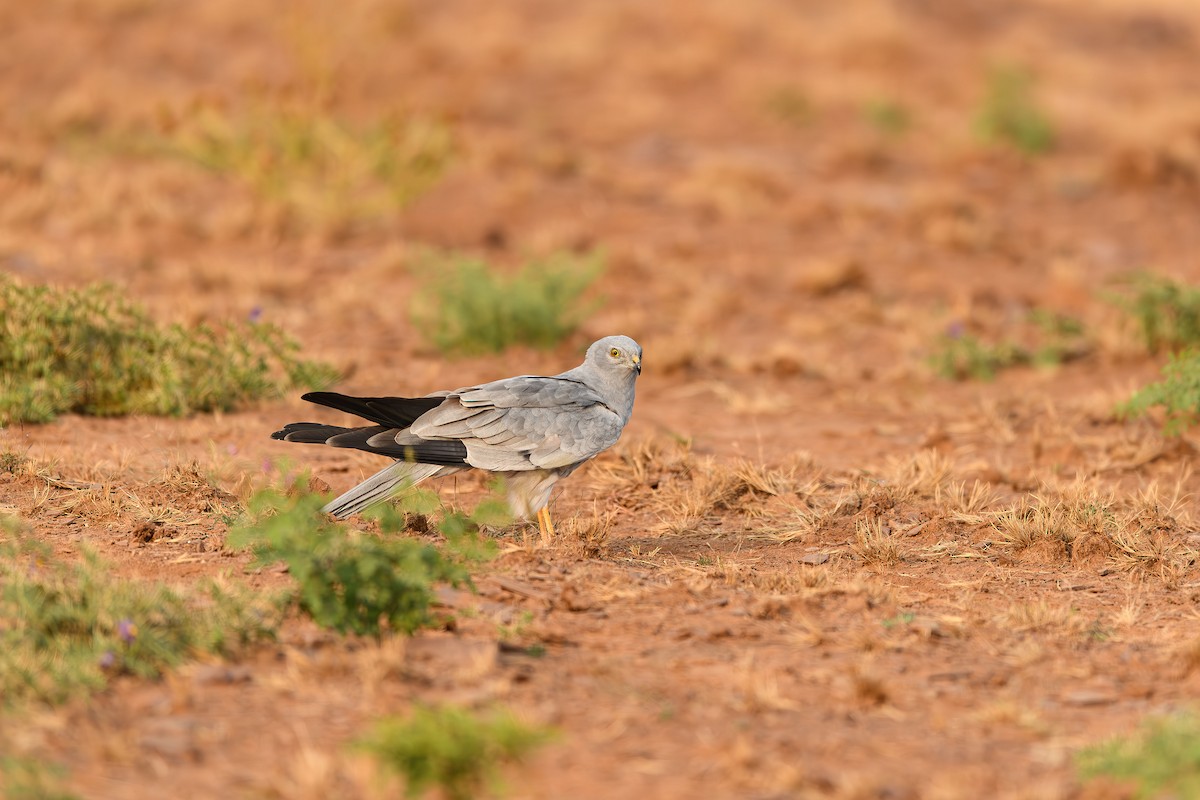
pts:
pixel 788 268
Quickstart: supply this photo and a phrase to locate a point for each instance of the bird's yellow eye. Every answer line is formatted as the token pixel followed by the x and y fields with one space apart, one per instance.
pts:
pixel 614 352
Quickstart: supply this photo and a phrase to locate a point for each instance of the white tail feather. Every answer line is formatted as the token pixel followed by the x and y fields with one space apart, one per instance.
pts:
pixel 380 486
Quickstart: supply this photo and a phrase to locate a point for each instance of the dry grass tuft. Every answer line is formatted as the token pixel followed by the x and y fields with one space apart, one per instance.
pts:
pixel 587 536
pixel 869 689
pixel 759 688
pixel 182 495
pixel 772 481
pixel 632 475
pixel 1035 522
pixel 1080 522
pixel 924 474
pixel 874 543
pixel 1129 615
pixel 782 582
pixel 876 499
pixel 1151 551
pixel 810 522
pixel 965 504
pixel 1009 712
pixel 690 498
pixel 1040 615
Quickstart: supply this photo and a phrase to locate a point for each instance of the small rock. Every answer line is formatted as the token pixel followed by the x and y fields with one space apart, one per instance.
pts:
pixel 814 558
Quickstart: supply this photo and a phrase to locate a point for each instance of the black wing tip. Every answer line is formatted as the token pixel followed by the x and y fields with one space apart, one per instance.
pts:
pixel 306 432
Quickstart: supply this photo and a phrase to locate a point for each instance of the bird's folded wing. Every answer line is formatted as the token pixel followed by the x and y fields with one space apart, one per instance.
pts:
pixel 523 423
pixel 529 391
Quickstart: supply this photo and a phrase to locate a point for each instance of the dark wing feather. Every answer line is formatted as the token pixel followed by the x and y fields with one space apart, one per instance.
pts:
pixel 307 432
pixel 376 439
pixel 382 441
pixel 392 412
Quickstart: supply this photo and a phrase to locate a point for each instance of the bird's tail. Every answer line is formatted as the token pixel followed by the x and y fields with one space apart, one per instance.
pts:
pixel 379 487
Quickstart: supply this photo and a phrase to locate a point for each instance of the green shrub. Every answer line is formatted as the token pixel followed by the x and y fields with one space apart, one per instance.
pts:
pixel 467 307
pixel 1047 339
pixel 65 629
pixel 1057 338
pixel 1163 760
pixel 888 117
pixel 789 104
pixel 29 779
pixel 315 167
pixel 963 356
pixel 90 351
pixel 356 582
pixel 451 749
pixel 1167 312
pixel 12 462
pixel 1010 116
pixel 1178 393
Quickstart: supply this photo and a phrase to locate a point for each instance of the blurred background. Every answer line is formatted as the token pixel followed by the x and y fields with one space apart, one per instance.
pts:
pixel 790 190
pixel 877 527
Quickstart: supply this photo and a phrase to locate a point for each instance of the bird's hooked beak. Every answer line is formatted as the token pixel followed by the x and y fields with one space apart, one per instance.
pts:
pixel 637 363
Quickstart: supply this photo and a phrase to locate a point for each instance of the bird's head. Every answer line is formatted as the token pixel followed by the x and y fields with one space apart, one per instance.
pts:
pixel 616 354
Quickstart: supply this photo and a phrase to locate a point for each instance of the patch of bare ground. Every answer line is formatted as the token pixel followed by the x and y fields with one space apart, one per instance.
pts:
pixel 812 567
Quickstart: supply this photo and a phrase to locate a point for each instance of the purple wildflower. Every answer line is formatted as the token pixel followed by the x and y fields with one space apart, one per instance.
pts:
pixel 127 630
pixel 256 313
pixel 956 329
pixel 107 660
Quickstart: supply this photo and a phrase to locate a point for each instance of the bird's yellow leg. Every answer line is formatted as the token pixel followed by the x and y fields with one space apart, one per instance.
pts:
pixel 545 526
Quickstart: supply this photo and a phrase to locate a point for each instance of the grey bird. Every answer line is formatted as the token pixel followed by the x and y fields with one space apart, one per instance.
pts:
pixel 532 430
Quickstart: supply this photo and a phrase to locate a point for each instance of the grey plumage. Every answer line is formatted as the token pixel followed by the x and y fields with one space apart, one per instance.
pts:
pixel 532 430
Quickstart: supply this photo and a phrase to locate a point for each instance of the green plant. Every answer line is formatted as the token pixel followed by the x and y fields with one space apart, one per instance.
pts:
pixel 517 627
pixel 788 104
pixel 901 619
pixel 12 462
pixel 356 582
pixel 66 628
pixel 1167 312
pixel 1178 393
pixel 90 351
pixel 1059 337
pixel 888 117
pixel 316 168
pixel 1010 115
pixel 467 307
pixel 1045 339
pixel 961 355
pixel 451 749
pixel 1162 760
pixel 23 778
